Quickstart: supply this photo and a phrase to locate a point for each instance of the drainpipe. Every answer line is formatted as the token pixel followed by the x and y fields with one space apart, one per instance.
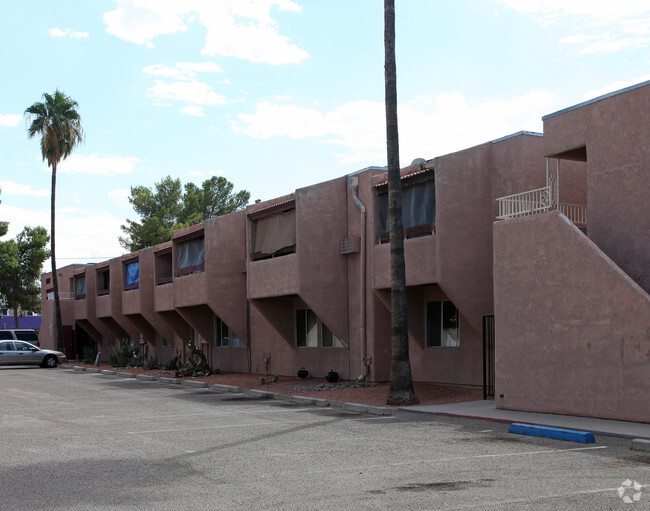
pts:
pixel 354 186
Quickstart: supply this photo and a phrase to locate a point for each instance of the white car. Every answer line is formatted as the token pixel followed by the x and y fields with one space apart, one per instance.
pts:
pixel 23 353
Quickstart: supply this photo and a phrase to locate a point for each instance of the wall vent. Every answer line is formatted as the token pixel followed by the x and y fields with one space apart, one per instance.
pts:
pixel 350 245
pixel 243 265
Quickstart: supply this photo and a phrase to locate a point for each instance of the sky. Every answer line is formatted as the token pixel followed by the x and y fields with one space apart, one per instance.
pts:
pixel 275 95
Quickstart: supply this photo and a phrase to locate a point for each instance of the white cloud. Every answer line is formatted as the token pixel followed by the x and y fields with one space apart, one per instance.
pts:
pixel 194 92
pixel 428 127
pixel 13 188
pixel 10 119
pixel 234 28
pixel 613 87
pixel 120 197
pixel 57 32
pixel 595 26
pixel 98 165
pixel 193 110
pixel 182 70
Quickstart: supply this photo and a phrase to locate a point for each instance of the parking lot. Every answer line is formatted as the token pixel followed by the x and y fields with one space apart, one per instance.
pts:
pixel 78 441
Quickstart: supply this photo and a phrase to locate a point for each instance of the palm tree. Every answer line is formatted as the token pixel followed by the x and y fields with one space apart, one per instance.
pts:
pixel 401 390
pixel 58 123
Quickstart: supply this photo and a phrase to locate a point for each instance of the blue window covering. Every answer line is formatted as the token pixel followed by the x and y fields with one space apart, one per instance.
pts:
pixel 132 273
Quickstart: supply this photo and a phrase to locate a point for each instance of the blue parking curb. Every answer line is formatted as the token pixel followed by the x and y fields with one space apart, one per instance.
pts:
pixel 559 434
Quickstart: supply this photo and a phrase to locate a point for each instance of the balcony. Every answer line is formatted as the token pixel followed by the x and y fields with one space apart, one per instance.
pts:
pixel 540 200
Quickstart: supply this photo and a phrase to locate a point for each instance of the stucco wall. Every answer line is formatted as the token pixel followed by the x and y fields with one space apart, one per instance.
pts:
pixel 572 329
pixel 615 131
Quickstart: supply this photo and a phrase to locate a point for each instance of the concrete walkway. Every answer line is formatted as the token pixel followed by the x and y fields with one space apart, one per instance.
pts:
pixel 487 410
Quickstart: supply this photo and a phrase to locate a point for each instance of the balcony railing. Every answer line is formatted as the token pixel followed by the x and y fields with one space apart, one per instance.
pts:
pixel 577 213
pixel 525 203
pixel 63 295
pixel 537 201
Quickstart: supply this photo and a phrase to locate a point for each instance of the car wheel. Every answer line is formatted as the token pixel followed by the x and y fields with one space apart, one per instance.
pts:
pixel 50 361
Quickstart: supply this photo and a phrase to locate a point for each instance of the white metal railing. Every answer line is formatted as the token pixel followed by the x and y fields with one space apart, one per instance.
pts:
pixel 63 295
pixel 577 213
pixel 525 203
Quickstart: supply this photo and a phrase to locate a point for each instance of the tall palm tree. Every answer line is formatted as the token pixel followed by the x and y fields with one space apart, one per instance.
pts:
pixel 58 123
pixel 401 390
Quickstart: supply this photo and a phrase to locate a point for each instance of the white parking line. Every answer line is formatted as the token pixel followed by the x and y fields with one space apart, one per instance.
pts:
pixel 172 430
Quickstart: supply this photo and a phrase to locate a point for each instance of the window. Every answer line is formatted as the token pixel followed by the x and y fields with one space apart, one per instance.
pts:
pixel 4 334
pixel 274 235
pixel 311 332
pixel 7 346
pixel 165 342
pixel 103 281
pixel 164 267
pixel 132 275
pixel 195 337
pixel 191 257
pixel 418 208
pixel 23 346
pixel 27 335
pixel 443 324
pixel 80 287
pixel 224 337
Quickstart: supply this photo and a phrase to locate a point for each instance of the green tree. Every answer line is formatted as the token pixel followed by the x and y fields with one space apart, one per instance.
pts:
pixel 4 226
pixel 165 207
pixel 401 390
pixel 20 286
pixel 58 123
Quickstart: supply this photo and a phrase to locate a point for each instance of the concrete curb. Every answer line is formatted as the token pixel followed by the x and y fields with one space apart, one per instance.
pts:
pixel 255 393
pixel 146 377
pixel 169 381
pixel 640 444
pixel 194 384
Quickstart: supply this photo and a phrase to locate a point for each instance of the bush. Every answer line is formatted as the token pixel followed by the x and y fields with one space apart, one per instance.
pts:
pixel 152 362
pixel 174 363
pixel 127 356
pixel 90 354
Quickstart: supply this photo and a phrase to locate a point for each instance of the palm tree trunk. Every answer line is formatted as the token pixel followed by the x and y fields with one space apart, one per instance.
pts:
pixel 401 390
pixel 55 280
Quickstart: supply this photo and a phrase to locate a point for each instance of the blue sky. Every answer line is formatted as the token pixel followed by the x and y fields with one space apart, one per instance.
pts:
pixel 279 94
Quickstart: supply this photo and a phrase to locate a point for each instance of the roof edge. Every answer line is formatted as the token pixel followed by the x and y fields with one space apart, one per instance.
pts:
pixel 599 98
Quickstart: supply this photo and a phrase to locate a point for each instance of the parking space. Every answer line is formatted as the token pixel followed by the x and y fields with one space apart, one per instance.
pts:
pixel 89 441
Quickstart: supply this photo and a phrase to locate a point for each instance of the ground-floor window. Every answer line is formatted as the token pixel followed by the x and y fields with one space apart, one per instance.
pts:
pixel 443 324
pixel 311 332
pixel 224 336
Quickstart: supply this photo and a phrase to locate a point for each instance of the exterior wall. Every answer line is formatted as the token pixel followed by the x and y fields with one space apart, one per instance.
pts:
pixel 572 328
pixel 615 131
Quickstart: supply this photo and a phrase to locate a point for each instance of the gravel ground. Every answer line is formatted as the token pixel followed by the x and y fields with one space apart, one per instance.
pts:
pixel 341 392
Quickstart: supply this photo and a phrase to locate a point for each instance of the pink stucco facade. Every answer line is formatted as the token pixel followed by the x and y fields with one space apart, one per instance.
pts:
pixel 303 280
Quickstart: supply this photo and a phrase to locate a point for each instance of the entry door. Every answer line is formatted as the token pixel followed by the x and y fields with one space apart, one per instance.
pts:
pixel 7 353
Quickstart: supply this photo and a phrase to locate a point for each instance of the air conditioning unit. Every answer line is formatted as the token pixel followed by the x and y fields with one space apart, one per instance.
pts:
pixel 350 245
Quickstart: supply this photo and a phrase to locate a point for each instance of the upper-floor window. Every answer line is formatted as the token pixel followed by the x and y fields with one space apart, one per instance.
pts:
pixel 103 281
pixel 418 207
pixel 273 235
pixel 164 266
pixel 80 287
pixel 190 257
pixel 443 324
pixel 132 275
